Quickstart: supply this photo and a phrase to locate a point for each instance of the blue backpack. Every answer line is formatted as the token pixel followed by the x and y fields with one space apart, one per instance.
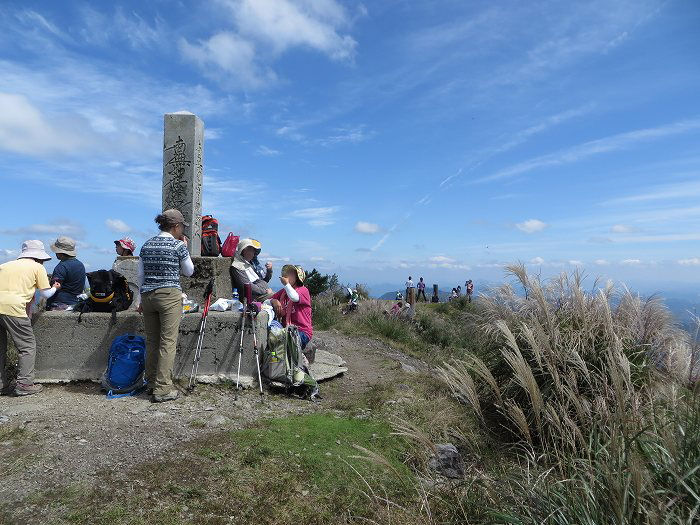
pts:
pixel 125 366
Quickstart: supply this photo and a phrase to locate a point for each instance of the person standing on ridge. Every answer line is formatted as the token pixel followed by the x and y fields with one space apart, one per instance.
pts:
pixel 409 286
pixel 70 272
pixel 469 286
pixel 421 291
pixel 19 281
pixel 162 259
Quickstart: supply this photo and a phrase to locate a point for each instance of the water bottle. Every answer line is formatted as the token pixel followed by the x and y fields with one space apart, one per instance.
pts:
pixel 236 305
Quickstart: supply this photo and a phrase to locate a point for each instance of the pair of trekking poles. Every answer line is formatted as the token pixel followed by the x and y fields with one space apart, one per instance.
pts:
pixel 250 313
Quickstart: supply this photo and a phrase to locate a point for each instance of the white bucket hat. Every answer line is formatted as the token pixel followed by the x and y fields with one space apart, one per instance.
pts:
pixel 34 249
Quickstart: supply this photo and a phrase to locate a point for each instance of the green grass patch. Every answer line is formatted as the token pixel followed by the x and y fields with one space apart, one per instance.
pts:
pixel 302 469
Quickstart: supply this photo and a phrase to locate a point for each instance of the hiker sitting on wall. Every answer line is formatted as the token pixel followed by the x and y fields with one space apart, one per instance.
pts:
pixel 125 247
pixel 296 301
pixel 244 271
pixel 19 281
pixel 69 272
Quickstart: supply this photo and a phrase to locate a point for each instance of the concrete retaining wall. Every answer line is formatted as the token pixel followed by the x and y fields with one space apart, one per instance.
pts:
pixel 68 350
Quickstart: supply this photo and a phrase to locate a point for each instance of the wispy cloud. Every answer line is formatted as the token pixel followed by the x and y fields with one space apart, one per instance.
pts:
pixel 117 226
pixel 681 190
pixel 267 152
pixel 323 216
pixel 693 261
pixel 592 148
pixel 59 227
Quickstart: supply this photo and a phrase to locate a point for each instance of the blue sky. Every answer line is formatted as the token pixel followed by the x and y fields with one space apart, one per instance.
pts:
pixel 376 139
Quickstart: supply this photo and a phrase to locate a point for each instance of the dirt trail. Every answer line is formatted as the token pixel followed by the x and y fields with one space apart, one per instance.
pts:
pixel 73 433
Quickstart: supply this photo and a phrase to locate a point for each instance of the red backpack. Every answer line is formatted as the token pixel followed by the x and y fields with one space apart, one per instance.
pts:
pixel 211 243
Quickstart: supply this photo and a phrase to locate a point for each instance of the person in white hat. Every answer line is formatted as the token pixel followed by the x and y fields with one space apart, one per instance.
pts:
pixel 70 272
pixel 19 281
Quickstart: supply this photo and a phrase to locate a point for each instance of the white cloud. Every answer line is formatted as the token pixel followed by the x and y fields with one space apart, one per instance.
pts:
pixel 323 216
pixel 439 259
pixel 601 262
pixel 531 226
pixel 630 262
pixel 575 262
pixel 352 135
pixel 265 29
pixel 368 228
pixel 537 260
pixel 693 261
pixel 59 228
pixel 267 152
pixel 117 226
pixel 621 228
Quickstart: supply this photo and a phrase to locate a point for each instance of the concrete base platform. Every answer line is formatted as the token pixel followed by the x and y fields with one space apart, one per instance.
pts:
pixel 71 351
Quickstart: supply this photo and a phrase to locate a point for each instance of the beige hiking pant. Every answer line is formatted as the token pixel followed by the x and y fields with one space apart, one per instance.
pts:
pixel 20 330
pixel 162 311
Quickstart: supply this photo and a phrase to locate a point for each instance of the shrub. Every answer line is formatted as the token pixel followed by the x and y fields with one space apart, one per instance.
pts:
pixel 325 311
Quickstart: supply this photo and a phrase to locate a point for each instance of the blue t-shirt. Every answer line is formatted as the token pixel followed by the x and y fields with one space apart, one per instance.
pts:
pixel 161 257
pixel 71 274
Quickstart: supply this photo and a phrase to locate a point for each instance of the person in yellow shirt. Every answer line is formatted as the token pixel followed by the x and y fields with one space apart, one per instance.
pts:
pixel 19 281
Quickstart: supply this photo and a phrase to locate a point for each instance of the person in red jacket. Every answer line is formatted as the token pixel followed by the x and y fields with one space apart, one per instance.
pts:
pixel 296 302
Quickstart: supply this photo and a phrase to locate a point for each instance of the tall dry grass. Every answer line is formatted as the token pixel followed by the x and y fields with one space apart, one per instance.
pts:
pixel 592 387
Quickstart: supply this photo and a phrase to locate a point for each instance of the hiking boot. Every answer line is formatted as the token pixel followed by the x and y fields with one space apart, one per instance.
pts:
pixel 27 390
pixel 170 396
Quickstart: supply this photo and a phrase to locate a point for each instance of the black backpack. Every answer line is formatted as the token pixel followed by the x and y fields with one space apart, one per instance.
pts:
pixel 109 292
pixel 211 242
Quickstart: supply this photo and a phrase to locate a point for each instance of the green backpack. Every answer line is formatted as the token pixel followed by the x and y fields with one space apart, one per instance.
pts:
pixel 283 363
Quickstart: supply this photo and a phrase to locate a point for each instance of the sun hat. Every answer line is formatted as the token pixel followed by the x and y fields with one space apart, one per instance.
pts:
pixel 301 274
pixel 175 216
pixel 34 250
pixel 127 243
pixel 244 243
pixel 64 245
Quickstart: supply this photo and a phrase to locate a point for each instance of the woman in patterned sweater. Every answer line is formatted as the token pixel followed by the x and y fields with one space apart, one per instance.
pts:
pixel 162 259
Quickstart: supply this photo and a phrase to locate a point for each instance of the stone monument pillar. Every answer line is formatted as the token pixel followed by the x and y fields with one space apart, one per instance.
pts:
pixel 183 169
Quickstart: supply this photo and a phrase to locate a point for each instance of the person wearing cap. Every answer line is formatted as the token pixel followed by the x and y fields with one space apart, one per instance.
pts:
pixel 19 281
pixel 70 272
pixel 244 271
pixel 162 259
pixel 296 302
pixel 125 247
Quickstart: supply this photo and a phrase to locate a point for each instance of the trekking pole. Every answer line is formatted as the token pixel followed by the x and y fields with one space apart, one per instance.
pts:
pixel 200 337
pixel 255 351
pixel 240 352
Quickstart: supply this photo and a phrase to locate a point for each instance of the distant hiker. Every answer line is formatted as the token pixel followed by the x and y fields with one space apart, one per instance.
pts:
pixel 453 295
pixel 410 285
pixel 396 309
pixel 70 272
pixel 399 296
pixel 243 271
pixel 353 299
pixel 19 281
pixel 162 259
pixel 125 247
pixel 469 286
pixel 296 301
pixel 459 291
pixel 421 290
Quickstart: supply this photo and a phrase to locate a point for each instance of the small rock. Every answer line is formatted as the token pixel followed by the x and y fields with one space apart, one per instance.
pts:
pixel 447 461
pixel 218 420
pixel 304 492
pixel 83 441
pixel 408 368
pixel 4 419
pixel 328 454
pixel 209 409
pixel 337 442
pixel 158 414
